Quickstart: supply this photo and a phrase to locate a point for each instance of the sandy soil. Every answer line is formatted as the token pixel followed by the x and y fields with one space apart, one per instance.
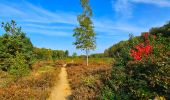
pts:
pixel 61 90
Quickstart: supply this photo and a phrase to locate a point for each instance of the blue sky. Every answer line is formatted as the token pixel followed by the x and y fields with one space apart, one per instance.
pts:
pixel 50 23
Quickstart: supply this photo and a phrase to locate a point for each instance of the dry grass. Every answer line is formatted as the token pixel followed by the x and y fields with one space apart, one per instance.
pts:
pixel 86 81
pixel 35 86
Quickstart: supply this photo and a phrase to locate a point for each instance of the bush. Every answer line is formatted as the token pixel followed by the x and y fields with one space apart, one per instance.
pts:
pixel 141 70
pixel 19 66
pixel 89 80
pixel 11 42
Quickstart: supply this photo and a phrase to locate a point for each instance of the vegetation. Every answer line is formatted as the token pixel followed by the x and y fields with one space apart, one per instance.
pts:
pixel 98 55
pixel 23 73
pixel 85 80
pixel 135 69
pixel 48 54
pixel 18 67
pixel 141 69
pixel 74 55
pixel 84 34
pixel 16 50
pixel 35 86
pixel 66 53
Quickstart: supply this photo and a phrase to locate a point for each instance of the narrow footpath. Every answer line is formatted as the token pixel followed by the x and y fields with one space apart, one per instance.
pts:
pixel 61 90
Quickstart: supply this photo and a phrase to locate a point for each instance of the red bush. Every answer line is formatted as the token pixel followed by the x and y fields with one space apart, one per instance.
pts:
pixel 142 49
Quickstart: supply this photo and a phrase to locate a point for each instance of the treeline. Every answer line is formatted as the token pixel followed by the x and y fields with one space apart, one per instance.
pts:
pixel 117 48
pixel 141 70
pixel 48 54
pixel 17 53
pixel 97 55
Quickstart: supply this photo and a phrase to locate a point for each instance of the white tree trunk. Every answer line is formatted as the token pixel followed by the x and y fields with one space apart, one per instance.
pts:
pixel 87 57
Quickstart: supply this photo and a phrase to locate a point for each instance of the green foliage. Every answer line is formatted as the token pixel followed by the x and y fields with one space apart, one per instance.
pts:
pixel 74 55
pixel 19 66
pixel 115 50
pixel 165 30
pixel 66 53
pixel 98 55
pixel 145 79
pixel 84 34
pixel 13 41
pixel 122 48
pixel 89 80
pixel 48 54
pixel 58 54
pixel 17 52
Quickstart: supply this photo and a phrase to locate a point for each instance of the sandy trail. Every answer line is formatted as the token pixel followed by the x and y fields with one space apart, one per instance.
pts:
pixel 61 90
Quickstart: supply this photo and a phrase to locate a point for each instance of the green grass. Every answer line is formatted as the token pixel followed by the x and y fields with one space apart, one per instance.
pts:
pixel 77 59
pixel 45 69
pixel 101 59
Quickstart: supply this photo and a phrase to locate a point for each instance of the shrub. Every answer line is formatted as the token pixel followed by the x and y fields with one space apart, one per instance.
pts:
pixel 141 70
pixel 11 42
pixel 19 66
pixel 36 86
pixel 89 80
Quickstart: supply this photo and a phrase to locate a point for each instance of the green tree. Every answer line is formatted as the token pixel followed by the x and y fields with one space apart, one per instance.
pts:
pixel 84 33
pixel 19 66
pixel 12 41
pixel 74 55
pixel 66 53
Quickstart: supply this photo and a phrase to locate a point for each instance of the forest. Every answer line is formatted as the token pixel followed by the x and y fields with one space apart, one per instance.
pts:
pixel 134 69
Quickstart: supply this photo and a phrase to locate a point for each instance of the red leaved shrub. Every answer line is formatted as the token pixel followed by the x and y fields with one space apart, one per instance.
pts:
pixel 141 50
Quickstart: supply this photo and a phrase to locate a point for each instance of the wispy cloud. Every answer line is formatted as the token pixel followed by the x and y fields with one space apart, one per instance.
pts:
pixel 40 23
pixel 113 28
pixel 160 3
pixel 124 8
pixel 48 32
pixel 37 20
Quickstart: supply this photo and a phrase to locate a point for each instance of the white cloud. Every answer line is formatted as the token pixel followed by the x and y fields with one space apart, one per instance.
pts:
pixel 61 17
pixel 8 10
pixel 113 28
pixel 46 26
pixel 35 19
pixel 124 8
pixel 48 32
pixel 160 3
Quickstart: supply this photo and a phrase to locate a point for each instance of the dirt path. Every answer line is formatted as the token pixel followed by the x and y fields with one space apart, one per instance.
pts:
pixel 62 89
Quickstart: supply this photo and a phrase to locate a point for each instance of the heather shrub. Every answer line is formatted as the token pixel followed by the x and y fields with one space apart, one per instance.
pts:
pixel 89 80
pixel 36 86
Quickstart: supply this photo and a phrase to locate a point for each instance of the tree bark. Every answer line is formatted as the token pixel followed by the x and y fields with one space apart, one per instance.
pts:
pixel 87 58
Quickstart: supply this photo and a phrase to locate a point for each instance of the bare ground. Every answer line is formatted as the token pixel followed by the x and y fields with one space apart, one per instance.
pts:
pixel 61 90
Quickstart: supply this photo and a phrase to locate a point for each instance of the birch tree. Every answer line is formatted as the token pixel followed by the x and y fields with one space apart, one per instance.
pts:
pixel 85 37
